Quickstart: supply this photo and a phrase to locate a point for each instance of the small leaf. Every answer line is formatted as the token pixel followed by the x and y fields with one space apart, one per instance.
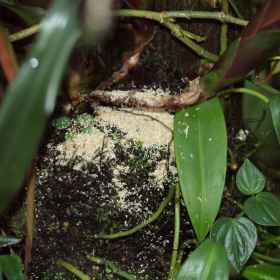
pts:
pixel 61 123
pixel 69 136
pixel 262 271
pixel 87 130
pixel 85 120
pixel 11 268
pixel 208 261
pixel 264 209
pixel 249 179
pixel 274 103
pixel 238 236
pixel 200 147
pixel 5 240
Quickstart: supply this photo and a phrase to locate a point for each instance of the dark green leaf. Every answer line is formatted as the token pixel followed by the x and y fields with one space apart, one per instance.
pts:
pixel 31 15
pixel 11 268
pixel 274 103
pixel 238 236
pixel 200 148
pixel 5 240
pixel 249 179
pixel 61 123
pixel 85 120
pixel 208 261
pixel 31 97
pixel 262 271
pixel 263 209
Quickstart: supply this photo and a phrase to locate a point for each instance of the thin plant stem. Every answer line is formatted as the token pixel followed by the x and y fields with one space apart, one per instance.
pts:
pixel 30 197
pixel 146 14
pixel 269 88
pixel 113 267
pixel 25 33
pixel 224 28
pixel 181 253
pixel 160 17
pixel 176 233
pixel 268 241
pixel 247 91
pixel 236 203
pixel 266 258
pixel 138 227
pixel 73 269
pixel 178 32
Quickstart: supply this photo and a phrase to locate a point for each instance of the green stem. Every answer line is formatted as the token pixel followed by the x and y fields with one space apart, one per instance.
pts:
pixel 161 17
pixel 147 222
pixel 176 233
pixel 181 253
pixel 73 269
pixel 25 33
pixel 248 91
pixel 224 28
pixel 268 241
pixel 236 203
pixel 110 264
pixel 178 32
pixel 266 258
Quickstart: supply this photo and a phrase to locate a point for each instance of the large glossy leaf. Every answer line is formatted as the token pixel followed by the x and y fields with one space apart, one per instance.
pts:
pixel 262 271
pixel 31 15
pixel 31 97
pixel 5 240
pixel 11 268
pixel 249 179
pixel 200 148
pixel 208 261
pixel 238 236
pixel 274 103
pixel 263 209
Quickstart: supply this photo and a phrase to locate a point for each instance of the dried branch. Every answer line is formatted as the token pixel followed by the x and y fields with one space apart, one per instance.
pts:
pixel 142 99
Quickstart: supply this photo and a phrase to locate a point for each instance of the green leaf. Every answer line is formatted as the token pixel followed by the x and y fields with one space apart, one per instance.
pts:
pixel 87 130
pixel 31 97
pixel 5 240
pixel 238 236
pixel 261 272
pixel 274 103
pixel 249 179
pixel 200 147
pixel 85 120
pixel 61 123
pixel 208 261
pixel 31 15
pixel 11 268
pixel 264 209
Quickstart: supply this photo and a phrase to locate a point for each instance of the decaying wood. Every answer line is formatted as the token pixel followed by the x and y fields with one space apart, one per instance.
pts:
pixel 141 99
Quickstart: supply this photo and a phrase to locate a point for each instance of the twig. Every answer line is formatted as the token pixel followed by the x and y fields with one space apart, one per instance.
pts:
pixel 171 102
pixel 25 33
pixel 147 222
pixel 160 17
